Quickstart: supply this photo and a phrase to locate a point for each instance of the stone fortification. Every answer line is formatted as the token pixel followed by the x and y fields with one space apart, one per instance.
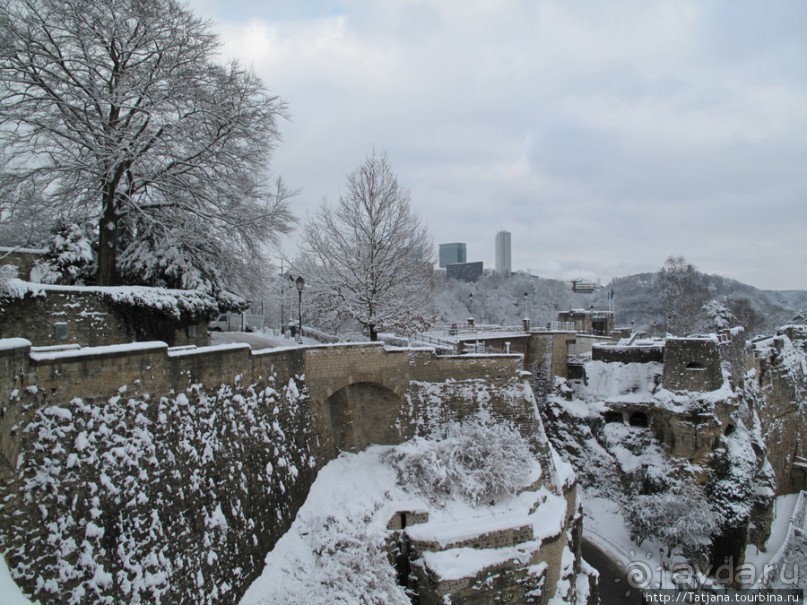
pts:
pixel 692 364
pixel 142 472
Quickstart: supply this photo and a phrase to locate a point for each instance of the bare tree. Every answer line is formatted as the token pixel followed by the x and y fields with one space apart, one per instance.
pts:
pixel 371 257
pixel 683 291
pixel 115 110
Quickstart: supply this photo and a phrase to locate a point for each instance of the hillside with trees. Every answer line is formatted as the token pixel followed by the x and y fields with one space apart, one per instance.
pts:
pixel 638 301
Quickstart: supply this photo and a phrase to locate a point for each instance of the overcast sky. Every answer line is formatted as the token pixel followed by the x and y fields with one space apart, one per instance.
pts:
pixel 605 136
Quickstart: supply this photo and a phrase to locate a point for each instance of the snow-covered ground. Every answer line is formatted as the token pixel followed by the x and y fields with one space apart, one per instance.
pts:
pixel 10 593
pixel 334 551
pixel 605 527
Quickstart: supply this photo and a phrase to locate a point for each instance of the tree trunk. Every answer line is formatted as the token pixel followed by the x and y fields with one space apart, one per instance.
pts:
pixel 106 275
pixel 373 333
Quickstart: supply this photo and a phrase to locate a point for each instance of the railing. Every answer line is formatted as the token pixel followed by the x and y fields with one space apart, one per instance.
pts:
pixel 479 348
pixel 441 343
pixel 465 329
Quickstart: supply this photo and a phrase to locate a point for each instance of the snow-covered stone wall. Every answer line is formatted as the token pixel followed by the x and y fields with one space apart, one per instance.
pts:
pixel 692 364
pixel 138 472
pixel 158 483
pixel 94 316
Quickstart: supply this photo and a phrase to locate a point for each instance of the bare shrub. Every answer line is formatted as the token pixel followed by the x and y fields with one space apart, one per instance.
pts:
pixel 473 461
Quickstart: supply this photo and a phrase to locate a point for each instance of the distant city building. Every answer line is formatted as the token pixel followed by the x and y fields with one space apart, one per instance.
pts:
pixel 584 286
pixel 503 263
pixel 587 321
pixel 465 271
pixel 451 254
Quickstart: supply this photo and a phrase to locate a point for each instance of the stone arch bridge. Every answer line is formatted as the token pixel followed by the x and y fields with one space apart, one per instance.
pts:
pixel 201 434
pixel 358 393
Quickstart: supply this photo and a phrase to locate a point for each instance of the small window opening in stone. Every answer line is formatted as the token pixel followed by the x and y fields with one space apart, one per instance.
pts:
pixel 695 365
pixel 614 417
pixel 61 330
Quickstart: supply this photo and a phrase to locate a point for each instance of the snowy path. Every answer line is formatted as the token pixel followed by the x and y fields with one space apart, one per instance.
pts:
pixel 782 511
pixel 258 340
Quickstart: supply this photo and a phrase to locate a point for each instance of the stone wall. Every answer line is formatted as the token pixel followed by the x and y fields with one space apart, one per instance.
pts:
pixel 628 354
pixel 22 259
pixel 72 315
pixel 552 346
pixel 138 472
pixel 539 565
pixel 85 320
pixel 735 354
pixel 692 364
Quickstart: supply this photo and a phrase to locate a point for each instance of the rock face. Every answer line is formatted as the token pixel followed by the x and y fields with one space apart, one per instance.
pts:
pixel 781 378
pixel 527 551
pixel 658 419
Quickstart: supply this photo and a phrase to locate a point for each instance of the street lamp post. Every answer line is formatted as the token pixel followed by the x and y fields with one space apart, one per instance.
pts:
pixel 300 283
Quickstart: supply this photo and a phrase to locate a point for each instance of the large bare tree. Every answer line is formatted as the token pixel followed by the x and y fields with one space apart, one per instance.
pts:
pixel 683 291
pixel 117 110
pixel 371 257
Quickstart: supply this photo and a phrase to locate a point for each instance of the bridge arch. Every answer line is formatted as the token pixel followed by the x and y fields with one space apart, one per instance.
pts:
pixel 362 413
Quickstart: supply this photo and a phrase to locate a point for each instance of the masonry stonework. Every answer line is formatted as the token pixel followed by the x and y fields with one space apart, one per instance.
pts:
pixel 86 318
pixel 692 364
pixel 143 472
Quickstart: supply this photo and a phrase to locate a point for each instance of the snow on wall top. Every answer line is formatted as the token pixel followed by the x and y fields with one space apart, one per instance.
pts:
pixel 104 350
pixel 169 302
pixel 13 343
pixel 23 250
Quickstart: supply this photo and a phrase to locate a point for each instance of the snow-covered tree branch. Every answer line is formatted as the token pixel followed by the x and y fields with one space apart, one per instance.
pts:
pixel 115 111
pixel 370 258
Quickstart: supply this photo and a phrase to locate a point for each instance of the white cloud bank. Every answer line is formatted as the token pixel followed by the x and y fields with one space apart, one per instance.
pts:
pixel 604 136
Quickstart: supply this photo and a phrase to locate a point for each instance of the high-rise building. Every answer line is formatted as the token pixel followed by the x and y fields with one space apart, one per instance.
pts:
pixel 451 254
pixel 503 263
pixel 465 271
